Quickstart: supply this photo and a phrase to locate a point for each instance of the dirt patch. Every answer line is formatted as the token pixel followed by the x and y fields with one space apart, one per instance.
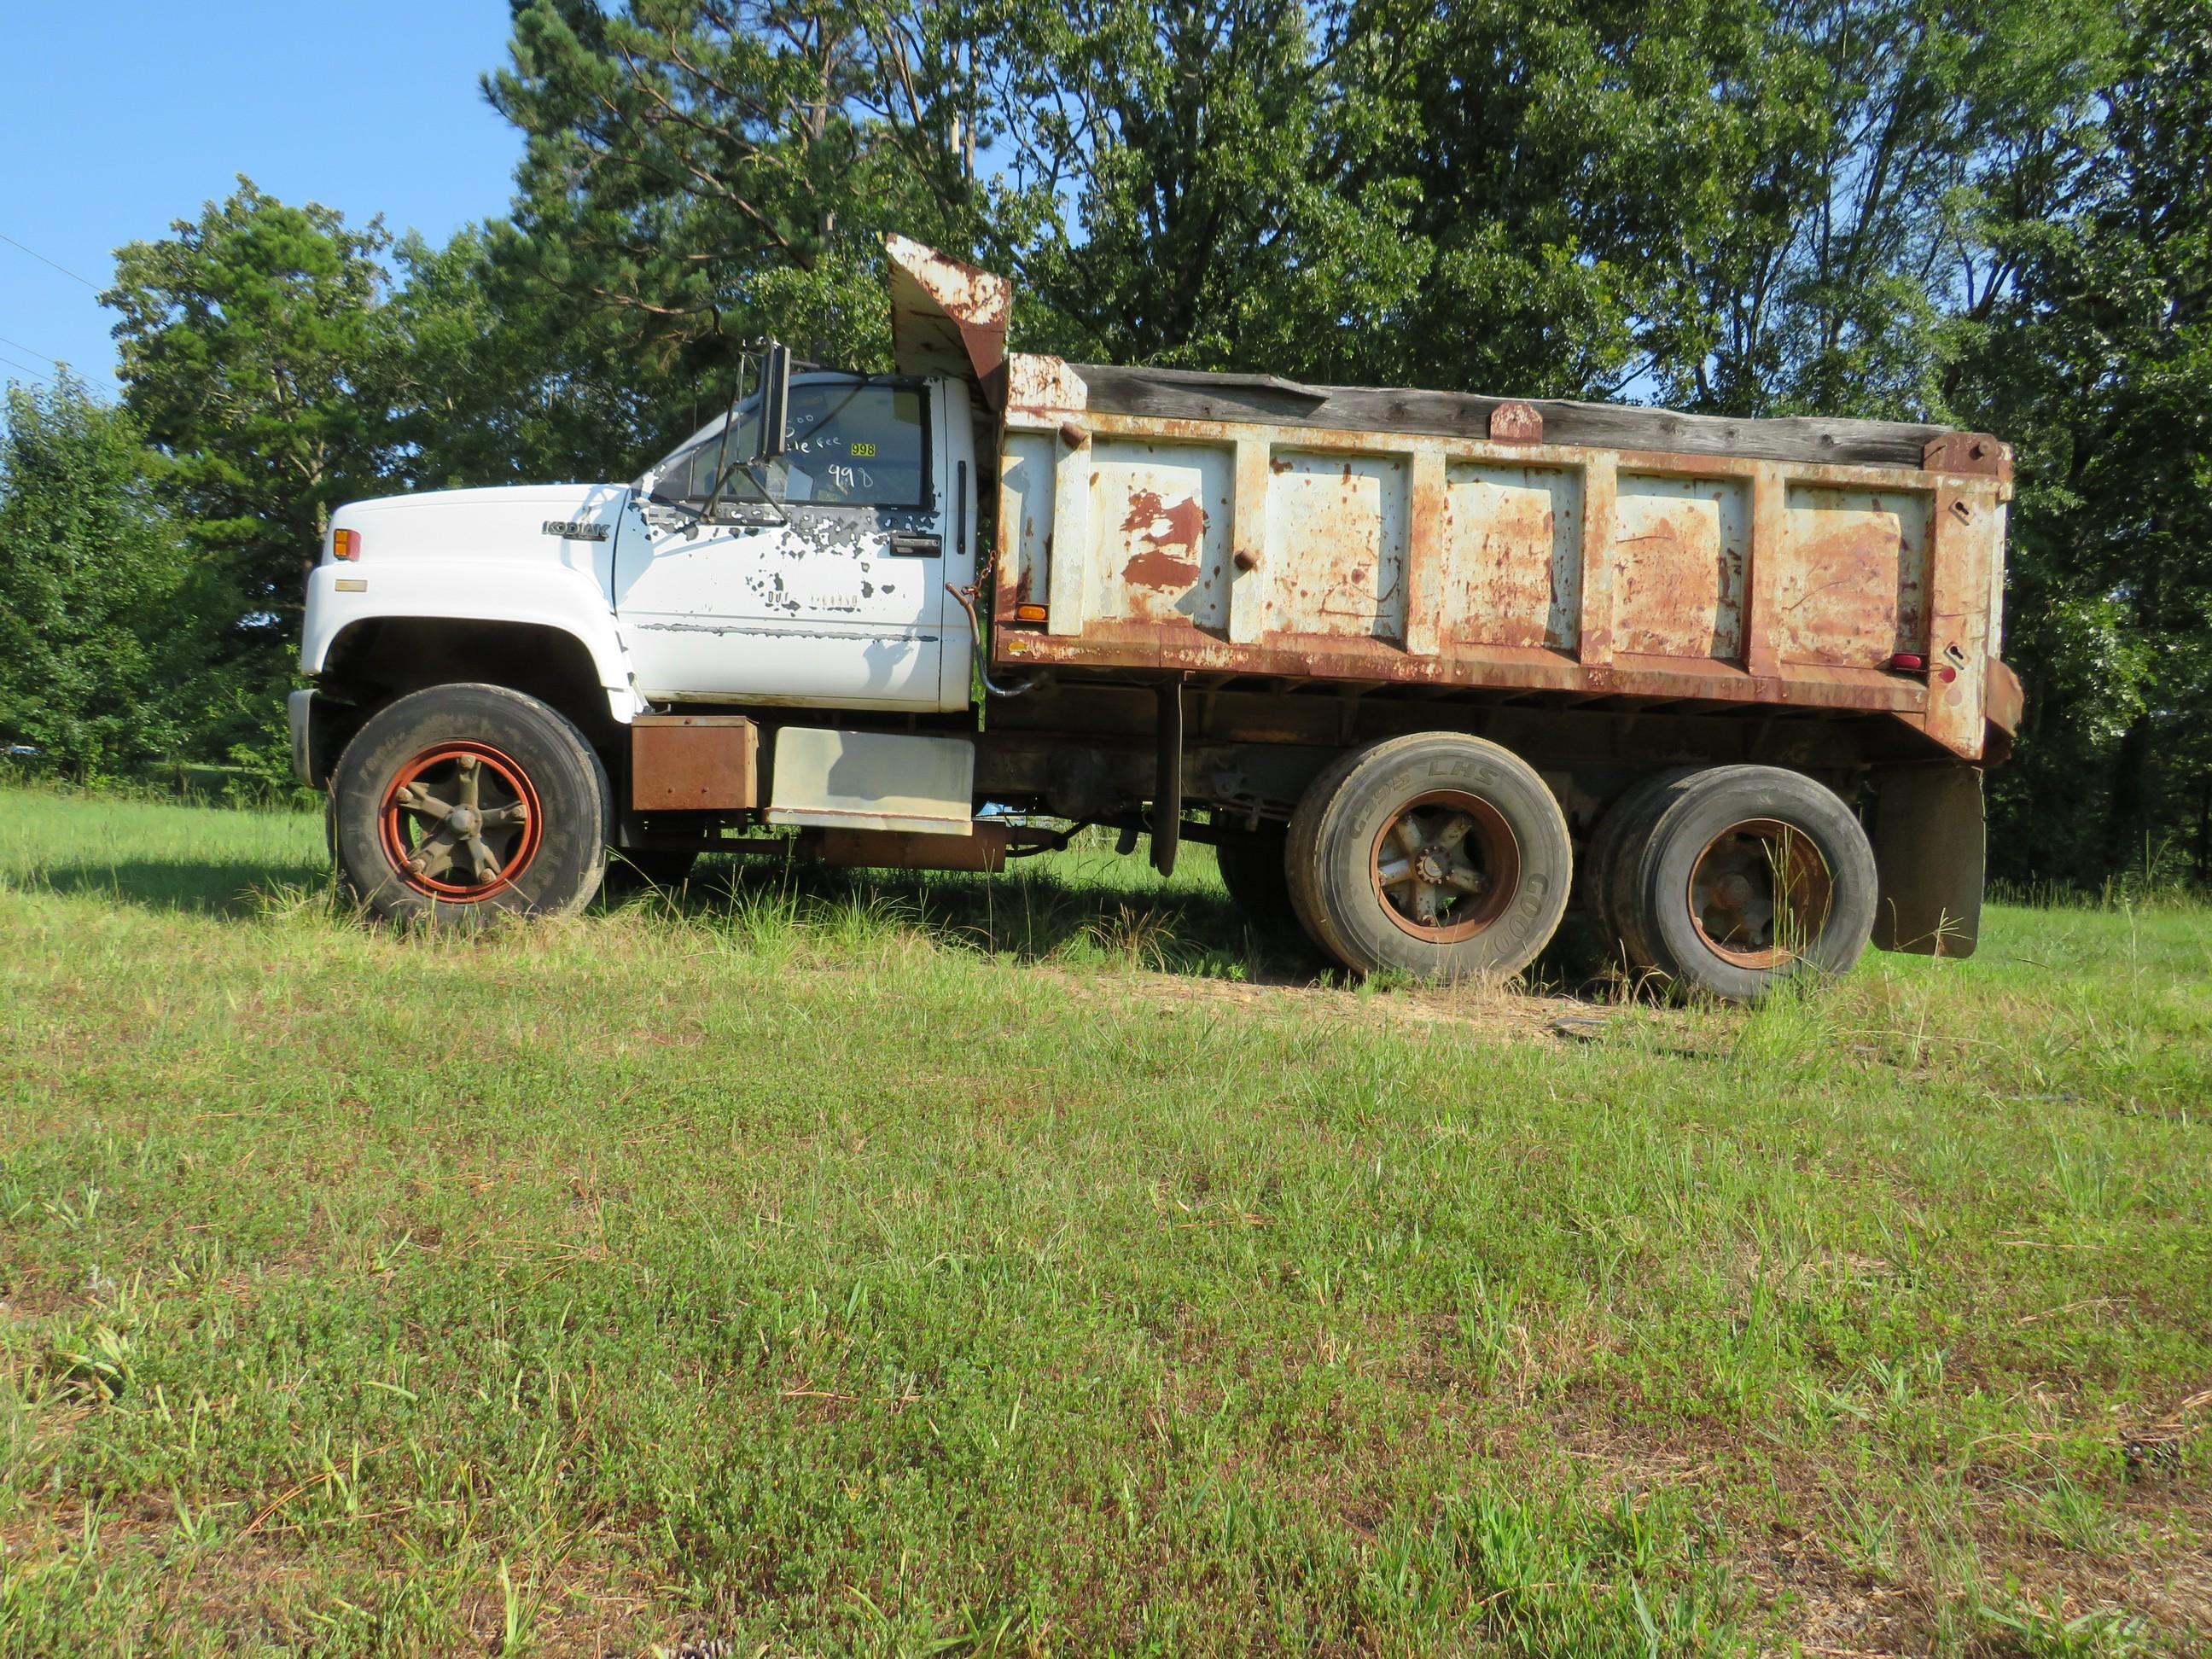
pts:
pixel 1488 1012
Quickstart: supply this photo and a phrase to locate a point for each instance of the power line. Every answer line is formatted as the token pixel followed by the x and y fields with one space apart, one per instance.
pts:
pixel 27 369
pixel 84 386
pixel 43 260
pixel 56 361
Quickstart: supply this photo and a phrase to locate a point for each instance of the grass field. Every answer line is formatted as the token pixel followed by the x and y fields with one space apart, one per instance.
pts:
pixel 1051 1265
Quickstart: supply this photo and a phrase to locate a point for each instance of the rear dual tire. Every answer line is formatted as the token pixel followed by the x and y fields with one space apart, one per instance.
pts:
pixel 1727 881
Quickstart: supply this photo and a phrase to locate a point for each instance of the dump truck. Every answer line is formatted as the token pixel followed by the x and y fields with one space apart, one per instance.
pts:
pixel 1425 669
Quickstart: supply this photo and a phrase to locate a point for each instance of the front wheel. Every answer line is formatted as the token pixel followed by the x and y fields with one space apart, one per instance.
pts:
pixel 1438 855
pixel 462 802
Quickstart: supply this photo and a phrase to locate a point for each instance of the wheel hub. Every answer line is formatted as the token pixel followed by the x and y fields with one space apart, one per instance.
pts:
pixel 1446 865
pixel 1760 893
pixel 460 822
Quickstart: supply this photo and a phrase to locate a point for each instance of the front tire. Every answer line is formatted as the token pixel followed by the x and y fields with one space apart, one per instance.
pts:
pixel 458 803
pixel 1438 855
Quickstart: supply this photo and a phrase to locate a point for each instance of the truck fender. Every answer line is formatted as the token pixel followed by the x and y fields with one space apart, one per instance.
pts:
pixel 446 591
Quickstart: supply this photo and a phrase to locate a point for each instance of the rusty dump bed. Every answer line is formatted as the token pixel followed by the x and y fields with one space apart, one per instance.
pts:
pixel 1242 524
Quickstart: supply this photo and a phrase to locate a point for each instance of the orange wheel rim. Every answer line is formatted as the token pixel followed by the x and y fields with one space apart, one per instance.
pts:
pixel 1760 893
pixel 1445 867
pixel 460 822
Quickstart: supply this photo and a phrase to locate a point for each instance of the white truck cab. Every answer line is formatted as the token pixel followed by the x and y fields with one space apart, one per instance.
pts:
pixel 817 577
pixel 820 578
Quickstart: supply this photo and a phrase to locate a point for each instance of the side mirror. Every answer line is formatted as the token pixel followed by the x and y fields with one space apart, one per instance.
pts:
pixel 775 403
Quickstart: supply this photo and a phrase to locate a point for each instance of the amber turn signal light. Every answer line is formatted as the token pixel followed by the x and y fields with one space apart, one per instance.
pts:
pixel 1028 613
pixel 345 544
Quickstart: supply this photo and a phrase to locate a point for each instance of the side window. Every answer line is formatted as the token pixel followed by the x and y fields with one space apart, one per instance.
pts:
pixel 689 474
pixel 855 444
pixel 852 444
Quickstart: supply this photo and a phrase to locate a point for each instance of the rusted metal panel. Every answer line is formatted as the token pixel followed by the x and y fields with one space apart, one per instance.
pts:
pixel 1336 541
pixel 1261 542
pixel 1854 589
pixel 1512 556
pixel 984 850
pixel 1160 522
pixel 948 317
pixel 1680 545
pixel 694 763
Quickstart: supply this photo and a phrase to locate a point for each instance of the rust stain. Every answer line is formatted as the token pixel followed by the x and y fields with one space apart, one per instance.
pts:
pixel 1175 531
pixel 1516 422
pixel 1853 595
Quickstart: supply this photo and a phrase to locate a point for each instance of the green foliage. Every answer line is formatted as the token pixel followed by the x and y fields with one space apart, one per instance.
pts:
pixel 1205 225
pixel 700 175
pixel 252 347
pixel 92 580
pixel 2100 364
pixel 490 381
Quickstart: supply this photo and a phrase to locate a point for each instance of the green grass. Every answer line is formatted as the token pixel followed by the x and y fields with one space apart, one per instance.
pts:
pixel 834 1267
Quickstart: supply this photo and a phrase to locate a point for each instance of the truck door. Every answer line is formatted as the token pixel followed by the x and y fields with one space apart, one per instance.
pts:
pixel 822 583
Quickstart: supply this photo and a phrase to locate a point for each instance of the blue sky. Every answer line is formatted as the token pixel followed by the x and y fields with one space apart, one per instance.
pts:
pixel 118 116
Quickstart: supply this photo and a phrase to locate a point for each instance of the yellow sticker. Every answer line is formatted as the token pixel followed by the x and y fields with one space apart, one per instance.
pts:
pixel 864 452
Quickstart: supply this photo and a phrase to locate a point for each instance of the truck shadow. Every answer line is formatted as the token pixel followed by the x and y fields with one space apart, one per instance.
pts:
pixel 1111 912
pixel 1022 915
pixel 1039 914
pixel 228 889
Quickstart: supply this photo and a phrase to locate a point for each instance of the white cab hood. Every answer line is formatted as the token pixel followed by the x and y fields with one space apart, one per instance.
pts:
pixel 516 522
pixel 542 554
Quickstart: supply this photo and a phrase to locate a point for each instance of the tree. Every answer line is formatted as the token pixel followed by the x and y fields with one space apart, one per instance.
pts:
pixel 90 574
pixel 699 173
pixel 252 353
pixel 1173 193
pixel 2099 362
pixel 491 380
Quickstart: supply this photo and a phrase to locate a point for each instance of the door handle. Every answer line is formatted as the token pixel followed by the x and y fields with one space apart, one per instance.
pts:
pixel 909 545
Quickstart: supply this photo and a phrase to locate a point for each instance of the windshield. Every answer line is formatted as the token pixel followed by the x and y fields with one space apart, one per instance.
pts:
pixel 852 442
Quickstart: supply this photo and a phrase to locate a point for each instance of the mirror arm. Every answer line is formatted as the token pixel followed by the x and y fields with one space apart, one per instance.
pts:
pixel 752 471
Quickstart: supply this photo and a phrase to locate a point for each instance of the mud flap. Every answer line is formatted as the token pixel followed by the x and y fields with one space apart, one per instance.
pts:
pixel 1928 852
